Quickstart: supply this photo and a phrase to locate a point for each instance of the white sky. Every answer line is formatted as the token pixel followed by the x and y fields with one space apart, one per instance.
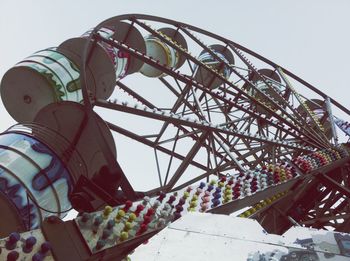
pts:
pixel 310 38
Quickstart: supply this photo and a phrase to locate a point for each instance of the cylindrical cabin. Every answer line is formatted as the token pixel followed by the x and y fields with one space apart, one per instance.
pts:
pixel 218 61
pixel 34 180
pixel 266 86
pixel 41 162
pixel 317 109
pixel 45 77
pixel 165 54
pixel 121 33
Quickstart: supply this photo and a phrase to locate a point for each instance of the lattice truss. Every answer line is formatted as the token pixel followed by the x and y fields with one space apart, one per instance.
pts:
pixel 322 202
pixel 225 110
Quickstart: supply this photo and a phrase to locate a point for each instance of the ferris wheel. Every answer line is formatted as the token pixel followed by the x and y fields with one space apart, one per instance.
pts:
pixel 182 110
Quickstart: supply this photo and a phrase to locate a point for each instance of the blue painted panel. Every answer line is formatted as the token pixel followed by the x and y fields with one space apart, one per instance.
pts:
pixel 33 178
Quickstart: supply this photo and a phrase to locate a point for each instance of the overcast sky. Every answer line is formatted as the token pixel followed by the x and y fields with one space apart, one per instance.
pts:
pixel 310 38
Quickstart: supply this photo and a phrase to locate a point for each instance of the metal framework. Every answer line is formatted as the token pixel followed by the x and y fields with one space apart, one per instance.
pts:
pixel 221 119
pixel 201 131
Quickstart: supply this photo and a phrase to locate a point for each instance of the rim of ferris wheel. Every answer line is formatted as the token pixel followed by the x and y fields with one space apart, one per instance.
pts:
pixel 204 75
pixel 134 18
pixel 80 132
pixel 126 33
pixel 100 72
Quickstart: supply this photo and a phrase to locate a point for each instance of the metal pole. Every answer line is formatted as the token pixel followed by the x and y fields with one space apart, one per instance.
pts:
pixel 331 120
